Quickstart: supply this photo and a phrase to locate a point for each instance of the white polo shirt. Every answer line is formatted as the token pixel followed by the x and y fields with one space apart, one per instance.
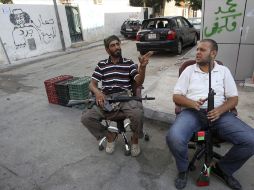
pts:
pixel 194 84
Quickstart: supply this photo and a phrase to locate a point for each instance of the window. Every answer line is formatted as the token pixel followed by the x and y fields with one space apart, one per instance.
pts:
pixel 185 24
pixel 179 23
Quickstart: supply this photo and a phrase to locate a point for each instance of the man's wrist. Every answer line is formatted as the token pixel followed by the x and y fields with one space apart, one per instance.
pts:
pixel 142 67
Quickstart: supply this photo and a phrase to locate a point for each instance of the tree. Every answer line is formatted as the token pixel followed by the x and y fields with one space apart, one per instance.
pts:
pixel 147 3
pixel 194 4
pixel 6 1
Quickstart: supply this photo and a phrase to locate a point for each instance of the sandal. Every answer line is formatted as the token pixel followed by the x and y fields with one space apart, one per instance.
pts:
pixel 110 146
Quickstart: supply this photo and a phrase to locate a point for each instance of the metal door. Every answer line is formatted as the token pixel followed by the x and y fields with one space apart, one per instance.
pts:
pixel 74 23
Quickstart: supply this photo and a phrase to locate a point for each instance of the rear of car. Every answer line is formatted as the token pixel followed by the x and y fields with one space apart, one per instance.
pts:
pixel 130 27
pixel 165 34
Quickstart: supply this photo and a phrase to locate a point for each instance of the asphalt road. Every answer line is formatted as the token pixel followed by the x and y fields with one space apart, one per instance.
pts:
pixel 44 146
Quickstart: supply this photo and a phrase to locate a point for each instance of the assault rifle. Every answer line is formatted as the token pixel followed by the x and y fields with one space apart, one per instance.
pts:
pixel 203 179
pixel 109 101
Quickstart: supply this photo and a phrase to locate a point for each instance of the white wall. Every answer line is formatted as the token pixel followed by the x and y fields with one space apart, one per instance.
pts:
pixel 172 10
pixel 34 33
pixel 102 20
pixel 33 2
pixel 232 26
pixel 40 34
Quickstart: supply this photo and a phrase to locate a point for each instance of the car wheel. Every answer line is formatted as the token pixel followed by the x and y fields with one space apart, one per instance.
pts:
pixel 179 48
pixel 195 40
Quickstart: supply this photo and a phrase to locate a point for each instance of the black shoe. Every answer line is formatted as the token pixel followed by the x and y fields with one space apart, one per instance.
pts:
pixel 181 180
pixel 229 180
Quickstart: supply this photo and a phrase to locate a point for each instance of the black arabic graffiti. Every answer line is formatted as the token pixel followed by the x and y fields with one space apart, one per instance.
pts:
pixel 25 31
pixel 225 16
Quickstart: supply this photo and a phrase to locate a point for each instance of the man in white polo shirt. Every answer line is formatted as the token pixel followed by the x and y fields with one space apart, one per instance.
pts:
pixel 191 93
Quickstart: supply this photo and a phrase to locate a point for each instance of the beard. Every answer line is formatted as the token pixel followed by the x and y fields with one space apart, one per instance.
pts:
pixel 204 62
pixel 117 53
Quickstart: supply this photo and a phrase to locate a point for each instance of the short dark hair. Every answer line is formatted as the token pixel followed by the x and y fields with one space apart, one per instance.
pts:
pixel 213 43
pixel 110 39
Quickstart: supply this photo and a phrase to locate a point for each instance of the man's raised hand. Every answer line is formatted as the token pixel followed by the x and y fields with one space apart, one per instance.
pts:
pixel 144 59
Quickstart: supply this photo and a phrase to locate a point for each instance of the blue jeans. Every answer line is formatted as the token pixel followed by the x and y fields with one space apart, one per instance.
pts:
pixel 229 128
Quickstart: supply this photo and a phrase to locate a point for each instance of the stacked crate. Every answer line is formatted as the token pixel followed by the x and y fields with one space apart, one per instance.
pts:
pixel 79 90
pixel 50 86
pixel 62 91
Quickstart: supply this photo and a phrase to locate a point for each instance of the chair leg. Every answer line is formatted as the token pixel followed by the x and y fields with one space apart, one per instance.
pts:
pixel 197 155
pixel 127 151
pixel 101 147
pixel 217 156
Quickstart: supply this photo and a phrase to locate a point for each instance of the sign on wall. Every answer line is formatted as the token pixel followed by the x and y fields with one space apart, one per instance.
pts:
pixel 223 20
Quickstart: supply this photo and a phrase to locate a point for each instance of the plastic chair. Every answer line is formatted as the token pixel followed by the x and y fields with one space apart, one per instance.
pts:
pixel 194 143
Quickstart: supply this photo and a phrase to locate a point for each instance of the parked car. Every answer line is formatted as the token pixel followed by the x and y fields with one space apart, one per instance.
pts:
pixel 130 27
pixel 166 34
pixel 196 22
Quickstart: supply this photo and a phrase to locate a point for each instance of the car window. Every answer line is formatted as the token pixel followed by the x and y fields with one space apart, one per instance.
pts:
pixel 185 23
pixel 179 23
pixel 150 24
pixel 195 21
pixel 172 23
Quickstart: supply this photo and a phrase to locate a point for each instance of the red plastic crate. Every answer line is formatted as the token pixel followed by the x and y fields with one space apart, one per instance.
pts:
pixel 50 86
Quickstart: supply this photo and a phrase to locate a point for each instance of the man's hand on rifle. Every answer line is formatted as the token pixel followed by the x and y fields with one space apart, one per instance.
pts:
pixel 214 114
pixel 199 103
pixel 100 99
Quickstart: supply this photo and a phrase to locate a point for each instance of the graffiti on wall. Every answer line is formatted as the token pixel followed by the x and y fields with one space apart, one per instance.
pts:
pixel 27 33
pixel 225 19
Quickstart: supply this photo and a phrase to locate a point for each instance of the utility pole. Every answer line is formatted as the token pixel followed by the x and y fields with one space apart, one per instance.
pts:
pixel 59 26
pixel 5 52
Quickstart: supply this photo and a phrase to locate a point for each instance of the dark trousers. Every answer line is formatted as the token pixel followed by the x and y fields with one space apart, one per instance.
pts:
pixel 133 110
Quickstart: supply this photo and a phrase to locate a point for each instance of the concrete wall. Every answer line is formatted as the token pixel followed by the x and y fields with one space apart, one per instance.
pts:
pixel 31 30
pixel 231 24
pixel 102 20
pixel 113 26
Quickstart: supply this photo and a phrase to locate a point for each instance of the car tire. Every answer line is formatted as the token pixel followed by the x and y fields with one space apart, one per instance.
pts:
pixel 195 40
pixel 179 48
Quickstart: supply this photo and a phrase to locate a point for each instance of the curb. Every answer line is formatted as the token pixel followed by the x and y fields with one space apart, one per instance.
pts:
pixel 163 117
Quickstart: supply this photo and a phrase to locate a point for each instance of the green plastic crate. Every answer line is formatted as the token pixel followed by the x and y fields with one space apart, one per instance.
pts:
pixel 79 88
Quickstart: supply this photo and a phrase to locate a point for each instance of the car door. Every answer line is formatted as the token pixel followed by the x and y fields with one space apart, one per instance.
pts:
pixel 189 29
pixel 182 31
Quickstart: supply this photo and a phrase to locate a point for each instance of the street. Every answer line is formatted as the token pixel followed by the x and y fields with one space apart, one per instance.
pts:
pixel 45 147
